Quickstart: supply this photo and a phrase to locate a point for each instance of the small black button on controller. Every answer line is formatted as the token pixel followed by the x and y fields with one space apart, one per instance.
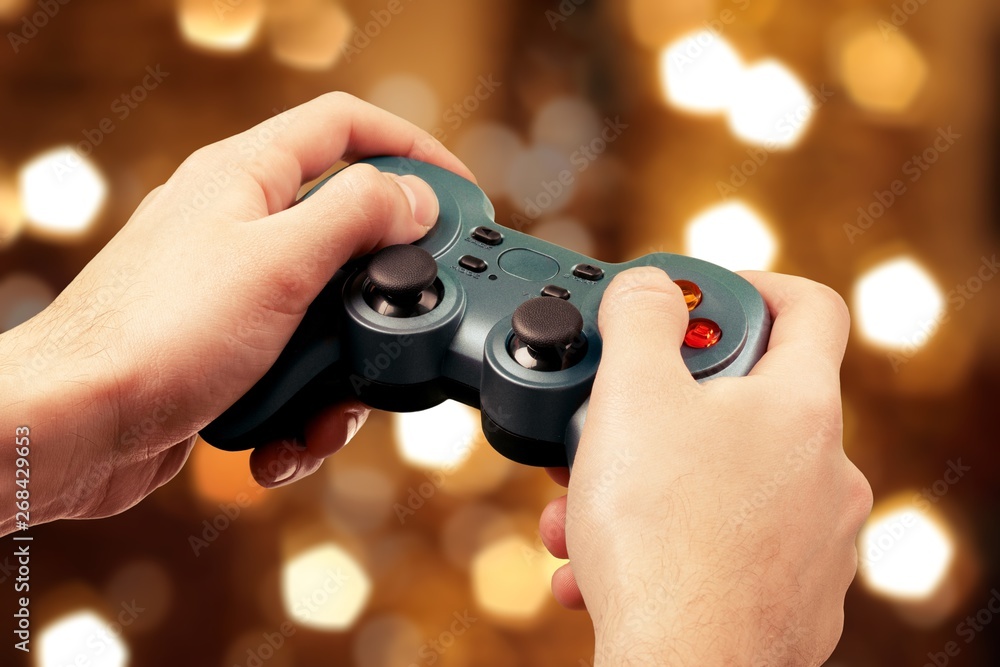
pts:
pixel 548 334
pixel 402 281
pixel 588 272
pixel 556 292
pixel 474 264
pixel 487 236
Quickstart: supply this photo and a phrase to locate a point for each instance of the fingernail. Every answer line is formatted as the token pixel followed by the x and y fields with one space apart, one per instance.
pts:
pixel 423 202
pixel 279 471
pixel 353 424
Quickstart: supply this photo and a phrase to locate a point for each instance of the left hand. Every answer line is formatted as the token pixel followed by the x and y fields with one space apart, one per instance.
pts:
pixel 193 300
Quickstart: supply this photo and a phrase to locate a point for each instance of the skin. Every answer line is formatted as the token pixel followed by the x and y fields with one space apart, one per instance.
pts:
pixel 189 305
pixel 712 523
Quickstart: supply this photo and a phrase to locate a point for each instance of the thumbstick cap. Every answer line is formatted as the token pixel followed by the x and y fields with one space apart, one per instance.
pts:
pixel 402 272
pixel 545 323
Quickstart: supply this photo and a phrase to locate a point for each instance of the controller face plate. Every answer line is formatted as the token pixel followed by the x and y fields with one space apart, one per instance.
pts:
pixel 461 348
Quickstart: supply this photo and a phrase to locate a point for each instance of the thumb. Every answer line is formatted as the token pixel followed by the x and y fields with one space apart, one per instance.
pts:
pixel 360 210
pixel 643 320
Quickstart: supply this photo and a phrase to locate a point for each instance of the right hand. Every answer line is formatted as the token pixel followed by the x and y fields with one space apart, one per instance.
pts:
pixel 712 523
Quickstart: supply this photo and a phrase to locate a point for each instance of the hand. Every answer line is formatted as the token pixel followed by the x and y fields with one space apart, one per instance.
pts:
pixel 193 300
pixel 712 524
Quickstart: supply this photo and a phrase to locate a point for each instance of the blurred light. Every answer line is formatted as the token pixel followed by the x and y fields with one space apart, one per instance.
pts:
pixel 387 641
pixel 324 588
pixel 898 305
pixel 566 232
pixel 362 495
pixel 308 34
pixel 534 183
pixel 882 73
pixel 82 638
pixel 700 73
pixel 904 553
pixel 437 438
pixel 656 22
pixel 11 215
pixel 489 149
pixel 223 477
pixel 469 528
pixel 12 9
pixel 147 581
pixel 566 123
pixel 770 106
pixel 61 192
pixel 732 236
pixel 408 97
pixel 220 26
pixel 511 578
pixel 22 296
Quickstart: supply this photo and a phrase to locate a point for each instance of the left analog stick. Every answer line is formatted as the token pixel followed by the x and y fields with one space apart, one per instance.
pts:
pixel 402 281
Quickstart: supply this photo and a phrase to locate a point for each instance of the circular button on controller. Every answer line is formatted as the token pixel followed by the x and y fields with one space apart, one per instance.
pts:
pixel 692 293
pixel 548 334
pixel 702 334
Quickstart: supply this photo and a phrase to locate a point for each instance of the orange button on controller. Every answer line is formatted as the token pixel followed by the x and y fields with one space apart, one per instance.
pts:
pixel 702 334
pixel 692 293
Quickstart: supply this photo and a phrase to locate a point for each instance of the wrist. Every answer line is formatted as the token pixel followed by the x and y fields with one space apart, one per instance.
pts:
pixel 70 419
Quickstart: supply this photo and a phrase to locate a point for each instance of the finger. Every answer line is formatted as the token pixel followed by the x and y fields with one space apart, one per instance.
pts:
pixel 565 589
pixel 558 475
pixel 810 326
pixel 360 210
pixel 282 463
pixel 300 144
pixel 643 319
pixel 335 427
pixel 552 527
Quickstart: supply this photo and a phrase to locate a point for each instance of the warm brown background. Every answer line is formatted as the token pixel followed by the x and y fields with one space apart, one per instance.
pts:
pixel 902 427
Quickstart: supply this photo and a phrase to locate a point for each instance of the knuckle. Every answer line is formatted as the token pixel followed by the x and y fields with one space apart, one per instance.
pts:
pixel 833 302
pixel 339 98
pixel 859 498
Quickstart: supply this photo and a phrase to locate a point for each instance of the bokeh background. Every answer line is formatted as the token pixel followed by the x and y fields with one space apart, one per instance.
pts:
pixel 851 141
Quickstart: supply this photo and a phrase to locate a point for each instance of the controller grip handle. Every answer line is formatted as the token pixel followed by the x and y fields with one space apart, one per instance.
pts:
pixel 306 378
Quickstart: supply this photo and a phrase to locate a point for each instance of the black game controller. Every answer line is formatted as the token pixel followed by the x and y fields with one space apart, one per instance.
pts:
pixel 484 315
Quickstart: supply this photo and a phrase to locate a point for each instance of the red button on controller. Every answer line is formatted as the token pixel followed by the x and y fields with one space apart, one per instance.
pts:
pixel 692 293
pixel 702 334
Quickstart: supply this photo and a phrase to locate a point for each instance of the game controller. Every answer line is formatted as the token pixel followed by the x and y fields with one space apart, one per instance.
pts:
pixel 484 315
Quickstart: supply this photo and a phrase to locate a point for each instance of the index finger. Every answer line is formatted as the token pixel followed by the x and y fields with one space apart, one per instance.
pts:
pixel 300 144
pixel 810 325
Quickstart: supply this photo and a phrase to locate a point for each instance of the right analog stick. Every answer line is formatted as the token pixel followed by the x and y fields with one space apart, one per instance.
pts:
pixel 548 334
